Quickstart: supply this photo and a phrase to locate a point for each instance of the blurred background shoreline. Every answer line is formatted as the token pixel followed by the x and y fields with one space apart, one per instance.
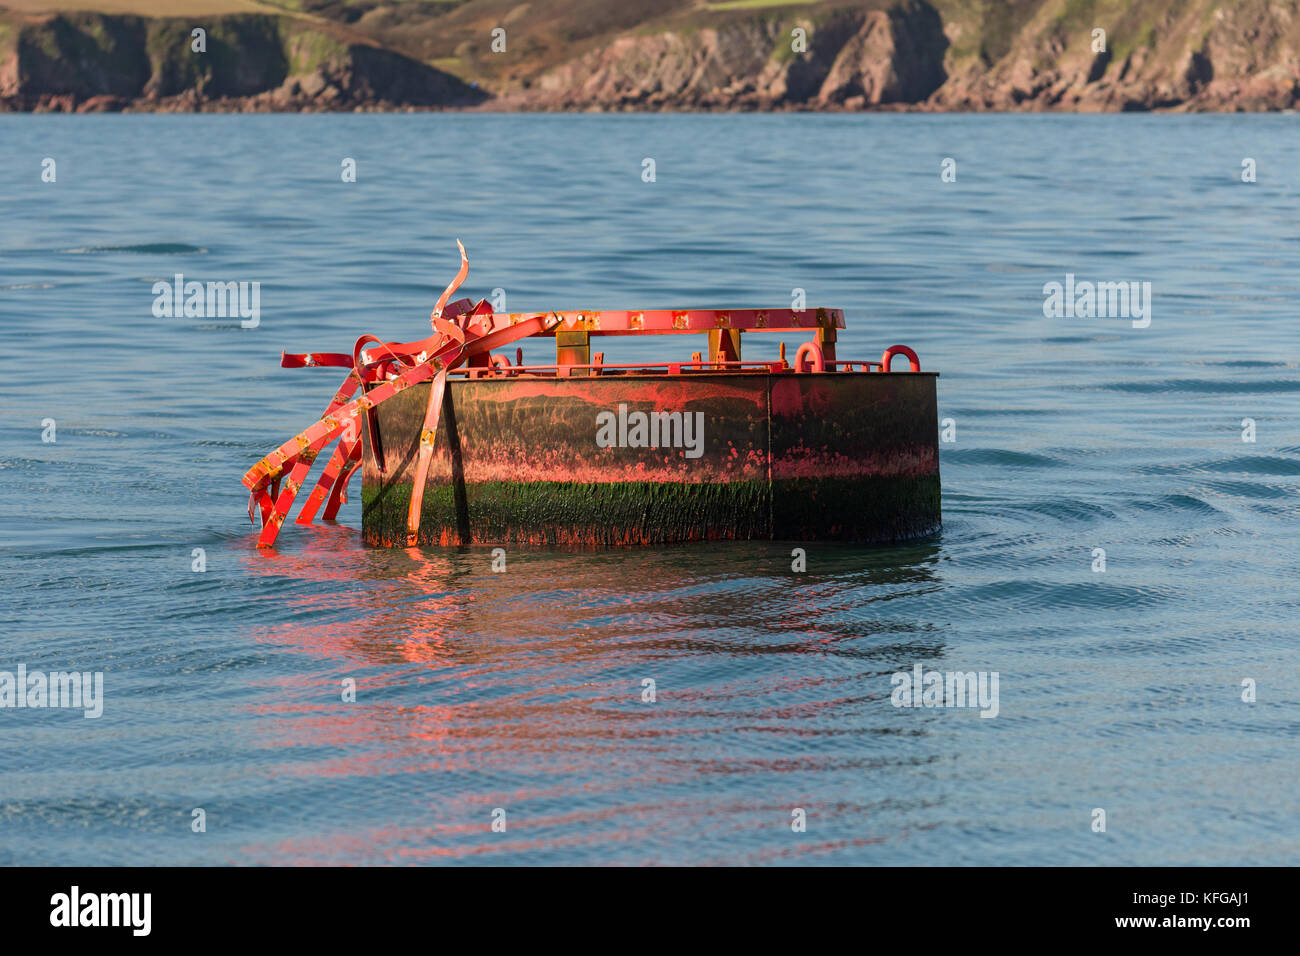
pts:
pixel 648 55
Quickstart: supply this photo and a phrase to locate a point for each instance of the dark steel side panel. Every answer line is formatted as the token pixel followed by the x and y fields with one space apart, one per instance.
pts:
pixel 843 455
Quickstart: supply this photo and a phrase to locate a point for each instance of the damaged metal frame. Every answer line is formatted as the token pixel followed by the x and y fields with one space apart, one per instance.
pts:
pixel 465 335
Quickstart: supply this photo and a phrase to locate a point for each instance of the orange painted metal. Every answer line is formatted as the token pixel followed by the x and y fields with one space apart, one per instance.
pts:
pixel 390 368
pixel 464 335
pixel 914 363
pixel 813 353
pixel 661 321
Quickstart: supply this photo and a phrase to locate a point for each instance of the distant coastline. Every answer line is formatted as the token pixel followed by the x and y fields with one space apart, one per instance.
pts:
pixel 679 55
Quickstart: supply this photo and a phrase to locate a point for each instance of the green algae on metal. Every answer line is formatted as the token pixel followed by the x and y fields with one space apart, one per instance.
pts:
pixel 618 513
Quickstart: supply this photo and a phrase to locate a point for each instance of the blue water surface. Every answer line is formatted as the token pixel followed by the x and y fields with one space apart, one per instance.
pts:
pixel 1119 690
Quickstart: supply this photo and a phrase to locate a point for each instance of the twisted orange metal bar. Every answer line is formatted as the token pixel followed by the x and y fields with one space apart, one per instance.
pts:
pixel 460 332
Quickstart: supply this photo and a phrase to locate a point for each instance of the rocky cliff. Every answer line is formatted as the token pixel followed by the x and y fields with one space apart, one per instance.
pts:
pixel 852 59
pixel 1079 55
pixel 1159 54
pixel 1033 55
pixel 89 62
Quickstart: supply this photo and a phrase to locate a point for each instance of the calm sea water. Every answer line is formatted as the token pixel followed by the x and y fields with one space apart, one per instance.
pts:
pixel 1118 690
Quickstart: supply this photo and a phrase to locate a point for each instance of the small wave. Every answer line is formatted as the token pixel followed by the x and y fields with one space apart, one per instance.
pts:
pixel 1001 456
pixel 1243 363
pixel 1203 386
pixel 1178 502
pixel 33 464
pixel 1068 509
pixel 1256 465
pixel 225 443
pixel 26 286
pixel 144 248
pixel 1031 593
pixel 1250 489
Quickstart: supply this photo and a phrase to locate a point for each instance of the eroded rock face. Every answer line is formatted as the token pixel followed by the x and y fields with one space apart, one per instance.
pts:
pixel 871 58
pixel 890 58
pixel 92 63
pixel 929 55
pixel 669 68
pixel 1160 54
pixel 83 56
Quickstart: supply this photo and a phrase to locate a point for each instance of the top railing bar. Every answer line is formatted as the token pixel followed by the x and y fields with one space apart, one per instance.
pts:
pixel 670 321
pixel 500 371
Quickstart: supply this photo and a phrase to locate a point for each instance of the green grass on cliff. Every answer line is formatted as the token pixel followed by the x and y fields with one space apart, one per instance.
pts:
pixel 308 49
pixel 758 4
pixel 144 8
pixel 1001 25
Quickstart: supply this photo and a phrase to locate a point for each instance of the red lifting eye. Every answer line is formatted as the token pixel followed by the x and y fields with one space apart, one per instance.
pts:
pixel 893 350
